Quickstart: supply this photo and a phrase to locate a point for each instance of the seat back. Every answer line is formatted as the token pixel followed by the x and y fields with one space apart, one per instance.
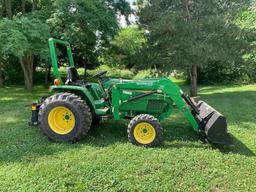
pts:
pixel 72 75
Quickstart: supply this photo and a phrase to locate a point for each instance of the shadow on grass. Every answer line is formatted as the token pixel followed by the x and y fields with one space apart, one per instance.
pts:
pixel 18 142
pixel 27 144
pixel 108 133
pixel 21 143
pixel 238 148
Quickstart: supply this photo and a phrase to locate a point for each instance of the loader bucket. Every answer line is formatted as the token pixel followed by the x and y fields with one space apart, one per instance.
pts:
pixel 212 124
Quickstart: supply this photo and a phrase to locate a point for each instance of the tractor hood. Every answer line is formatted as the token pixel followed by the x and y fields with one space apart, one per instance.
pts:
pixel 143 82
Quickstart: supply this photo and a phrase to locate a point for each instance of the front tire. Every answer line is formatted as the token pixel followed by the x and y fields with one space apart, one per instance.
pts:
pixel 64 117
pixel 145 130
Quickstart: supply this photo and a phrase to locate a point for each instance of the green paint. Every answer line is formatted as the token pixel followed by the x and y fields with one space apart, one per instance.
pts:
pixel 128 98
pixel 54 58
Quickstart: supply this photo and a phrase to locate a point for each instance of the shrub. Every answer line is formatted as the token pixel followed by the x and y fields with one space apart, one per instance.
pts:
pixel 218 72
pixel 13 73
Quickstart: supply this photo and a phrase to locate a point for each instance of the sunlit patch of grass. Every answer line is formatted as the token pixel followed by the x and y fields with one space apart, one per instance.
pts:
pixel 6 99
pixel 226 89
pixel 105 161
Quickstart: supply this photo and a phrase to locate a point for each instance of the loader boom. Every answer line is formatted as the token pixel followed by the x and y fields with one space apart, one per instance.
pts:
pixel 161 86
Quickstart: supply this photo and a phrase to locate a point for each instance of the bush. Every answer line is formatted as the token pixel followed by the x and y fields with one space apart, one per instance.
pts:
pixel 13 73
pixel 113 72
pixel 147 73
pixel 218 72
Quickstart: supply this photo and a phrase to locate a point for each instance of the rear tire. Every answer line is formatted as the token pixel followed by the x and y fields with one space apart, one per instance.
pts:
pixel 145 130
pixel 64 117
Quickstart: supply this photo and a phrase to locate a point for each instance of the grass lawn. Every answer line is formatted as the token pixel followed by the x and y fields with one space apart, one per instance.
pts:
pixel 106 161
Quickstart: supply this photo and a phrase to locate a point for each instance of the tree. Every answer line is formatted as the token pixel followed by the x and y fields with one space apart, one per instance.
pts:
pixel 13 8
pixel 246 21
pixel 1 80
pixel 1 71
pixel 87 25
pixel 23 5
pixel 124 8
pixel 125 47
pixel 34 5
pixel 7 4
pixel 189 33
pixel 24 38
pixel 8 7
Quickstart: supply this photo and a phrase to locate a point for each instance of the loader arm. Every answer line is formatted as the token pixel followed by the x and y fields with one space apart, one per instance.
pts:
pixel 163 86
pixel 175 93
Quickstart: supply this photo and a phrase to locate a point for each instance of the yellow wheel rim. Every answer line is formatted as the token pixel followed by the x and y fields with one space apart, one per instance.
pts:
pixel 144 133
pixel 61 120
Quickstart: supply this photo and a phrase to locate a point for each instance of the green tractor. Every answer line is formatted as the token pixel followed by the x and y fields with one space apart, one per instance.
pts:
pixel 75 105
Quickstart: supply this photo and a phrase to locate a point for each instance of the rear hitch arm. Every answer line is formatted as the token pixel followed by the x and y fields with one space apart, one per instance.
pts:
pixel 35 110
pixel 34 116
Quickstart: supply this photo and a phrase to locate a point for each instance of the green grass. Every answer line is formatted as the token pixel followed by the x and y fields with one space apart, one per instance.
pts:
pixel 106 161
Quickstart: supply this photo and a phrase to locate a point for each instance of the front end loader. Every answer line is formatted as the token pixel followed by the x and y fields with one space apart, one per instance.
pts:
pixel 75 105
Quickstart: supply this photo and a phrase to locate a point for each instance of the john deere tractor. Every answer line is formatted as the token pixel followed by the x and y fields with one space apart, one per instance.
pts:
pixel 74 105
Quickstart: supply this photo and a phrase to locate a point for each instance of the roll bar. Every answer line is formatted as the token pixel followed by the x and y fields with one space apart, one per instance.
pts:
pixel 54 58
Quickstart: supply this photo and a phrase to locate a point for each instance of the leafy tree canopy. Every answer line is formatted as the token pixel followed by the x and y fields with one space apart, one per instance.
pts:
pixel 22 36
pixel 189 32
pixel 125 47
pixel 87 25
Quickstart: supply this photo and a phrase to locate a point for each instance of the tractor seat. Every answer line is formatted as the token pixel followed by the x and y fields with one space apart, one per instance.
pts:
pixel 73 78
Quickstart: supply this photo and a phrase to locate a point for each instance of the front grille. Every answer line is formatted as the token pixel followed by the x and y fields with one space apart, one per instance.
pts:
pixel 156 105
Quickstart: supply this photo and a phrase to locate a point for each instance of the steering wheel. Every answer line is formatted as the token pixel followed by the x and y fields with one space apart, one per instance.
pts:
pixel 101 74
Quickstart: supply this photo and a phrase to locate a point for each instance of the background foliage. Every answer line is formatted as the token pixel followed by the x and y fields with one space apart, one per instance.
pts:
pixel 125 48
pixel 217 37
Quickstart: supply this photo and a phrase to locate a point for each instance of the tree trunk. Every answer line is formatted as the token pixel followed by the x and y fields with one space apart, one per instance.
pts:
pixel 193 80
pixel 1 71
pixel 128 23
pixel 8 6
pixel 85 71
pixel 34 5
pixel 27 67
pixel 23 5
pixel 1 80
pixel 85 62
pixel 47 74
pixel 2 10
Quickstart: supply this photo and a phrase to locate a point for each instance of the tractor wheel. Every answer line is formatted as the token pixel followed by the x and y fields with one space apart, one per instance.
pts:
pixel 64 117
pixel 145 130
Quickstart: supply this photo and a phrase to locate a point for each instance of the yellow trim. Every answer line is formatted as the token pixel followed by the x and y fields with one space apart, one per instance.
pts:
pixel 33 108
pixel 61 120
pixel 144 133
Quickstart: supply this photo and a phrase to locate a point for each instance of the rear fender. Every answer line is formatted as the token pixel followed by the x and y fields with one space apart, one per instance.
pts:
pixel 80 91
